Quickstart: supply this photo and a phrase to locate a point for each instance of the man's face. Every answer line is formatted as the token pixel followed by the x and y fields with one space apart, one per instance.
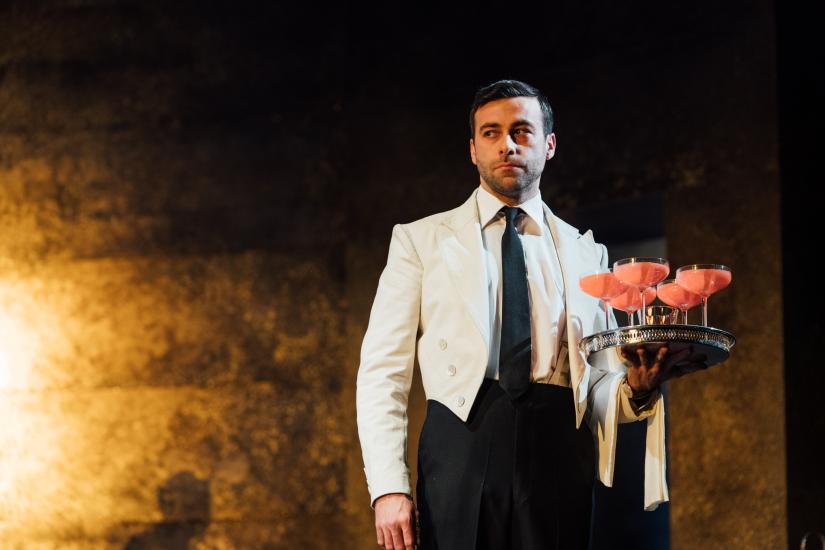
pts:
pixel 509 147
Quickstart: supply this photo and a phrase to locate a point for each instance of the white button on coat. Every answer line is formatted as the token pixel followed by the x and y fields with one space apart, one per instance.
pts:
pixel 460 401
pixel 442 343
pixel 451 370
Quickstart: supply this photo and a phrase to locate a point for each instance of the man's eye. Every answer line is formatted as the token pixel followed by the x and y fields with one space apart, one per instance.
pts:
pixel 522 131
pixel 487 133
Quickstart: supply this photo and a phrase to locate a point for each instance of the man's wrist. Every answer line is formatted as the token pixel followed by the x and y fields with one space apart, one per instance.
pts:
pixel 409 497
pixel 639 396
pixel 641 401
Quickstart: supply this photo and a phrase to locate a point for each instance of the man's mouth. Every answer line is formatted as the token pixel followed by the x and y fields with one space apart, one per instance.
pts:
pixel 509 166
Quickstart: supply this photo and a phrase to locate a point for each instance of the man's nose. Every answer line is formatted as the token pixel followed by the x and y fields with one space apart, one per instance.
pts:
pixel 508 146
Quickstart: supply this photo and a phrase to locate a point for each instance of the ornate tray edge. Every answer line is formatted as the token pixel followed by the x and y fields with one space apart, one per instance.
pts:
pixel 709 336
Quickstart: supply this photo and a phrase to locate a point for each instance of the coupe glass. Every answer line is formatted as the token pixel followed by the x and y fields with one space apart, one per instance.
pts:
pixel 602 284
pixel 704 280
pixel 674 295
pixel 643 273
pixel 630 301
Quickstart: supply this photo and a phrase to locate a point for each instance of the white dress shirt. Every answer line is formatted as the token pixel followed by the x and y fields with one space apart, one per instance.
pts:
pixel 544 283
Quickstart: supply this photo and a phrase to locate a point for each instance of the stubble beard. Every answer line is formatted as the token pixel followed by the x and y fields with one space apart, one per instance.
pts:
pixel 514 188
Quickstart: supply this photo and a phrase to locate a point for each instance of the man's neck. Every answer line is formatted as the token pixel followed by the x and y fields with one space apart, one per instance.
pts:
pixel 511 200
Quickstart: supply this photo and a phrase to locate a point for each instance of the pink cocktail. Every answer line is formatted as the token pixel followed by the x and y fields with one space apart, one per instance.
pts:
pixel 604 286
pixel 630 301
pixel 649 295
pixel 642 273
pixel 677 296
pixel 704 280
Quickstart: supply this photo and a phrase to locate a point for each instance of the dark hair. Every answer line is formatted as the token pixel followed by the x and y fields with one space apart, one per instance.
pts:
pixel 510 88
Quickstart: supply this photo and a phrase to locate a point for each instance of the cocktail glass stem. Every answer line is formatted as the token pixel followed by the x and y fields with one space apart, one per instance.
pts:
pixel 606 316
pixel 704 311
pixel 642 314
pixel 684 318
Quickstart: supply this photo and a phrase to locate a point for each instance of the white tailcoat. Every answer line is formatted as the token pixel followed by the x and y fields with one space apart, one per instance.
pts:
pixel 432 306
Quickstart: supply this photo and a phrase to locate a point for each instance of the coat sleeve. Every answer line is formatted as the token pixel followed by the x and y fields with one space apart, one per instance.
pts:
pixel 386 370
pixel 609 403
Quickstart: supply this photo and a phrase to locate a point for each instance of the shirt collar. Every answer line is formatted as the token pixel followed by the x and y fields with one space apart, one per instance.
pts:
pixel 489 205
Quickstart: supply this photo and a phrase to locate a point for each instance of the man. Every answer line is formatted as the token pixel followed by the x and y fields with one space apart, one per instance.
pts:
pixel 485 297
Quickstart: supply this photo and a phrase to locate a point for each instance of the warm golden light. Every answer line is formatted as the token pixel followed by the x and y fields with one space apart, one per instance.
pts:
pixel 17 350
pixel 29 437
pixel 128 401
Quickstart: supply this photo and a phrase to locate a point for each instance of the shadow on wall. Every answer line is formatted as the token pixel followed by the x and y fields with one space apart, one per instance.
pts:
pixel 184 501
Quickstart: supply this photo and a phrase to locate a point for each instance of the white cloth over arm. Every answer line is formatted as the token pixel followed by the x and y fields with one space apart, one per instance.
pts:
pixel 608 404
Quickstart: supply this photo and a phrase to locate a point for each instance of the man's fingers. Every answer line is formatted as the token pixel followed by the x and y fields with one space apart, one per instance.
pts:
pixel 628 357
pixel 397 538
pixel 640 351
pixel 644 356
pixel 408 535
pixel 661 366
pixel 655 369
pixel 390 538
pixel 395 521
pixel 661 354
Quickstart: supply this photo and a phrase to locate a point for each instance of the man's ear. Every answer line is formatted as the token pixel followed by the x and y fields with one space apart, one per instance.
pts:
pixel 473 151
pixel 550 148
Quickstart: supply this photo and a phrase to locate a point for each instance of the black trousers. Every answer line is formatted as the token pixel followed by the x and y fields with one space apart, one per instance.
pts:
pixel 515 476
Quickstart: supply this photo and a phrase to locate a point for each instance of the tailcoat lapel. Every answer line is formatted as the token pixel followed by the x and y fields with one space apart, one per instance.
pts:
pixel 462 250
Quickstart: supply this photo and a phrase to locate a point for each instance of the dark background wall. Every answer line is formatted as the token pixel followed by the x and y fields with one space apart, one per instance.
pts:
pixel 801 89
pixel 196 200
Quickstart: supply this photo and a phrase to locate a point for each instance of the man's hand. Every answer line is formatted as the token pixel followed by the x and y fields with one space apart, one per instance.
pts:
pixel 396 522
pixel 648 366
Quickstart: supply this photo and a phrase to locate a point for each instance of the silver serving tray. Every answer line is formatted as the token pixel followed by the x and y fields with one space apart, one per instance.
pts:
pixel 708 344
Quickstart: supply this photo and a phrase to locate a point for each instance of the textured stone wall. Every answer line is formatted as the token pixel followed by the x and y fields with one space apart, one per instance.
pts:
pixel 170 286
pixel 727 445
